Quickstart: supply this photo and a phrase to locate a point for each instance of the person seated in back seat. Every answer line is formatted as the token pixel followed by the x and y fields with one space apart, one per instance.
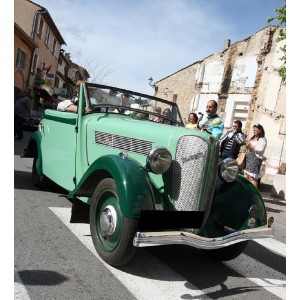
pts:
pixel 67 105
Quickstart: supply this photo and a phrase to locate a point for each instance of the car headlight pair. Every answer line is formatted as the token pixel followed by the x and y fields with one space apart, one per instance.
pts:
pixel 159 160
pixel 228 169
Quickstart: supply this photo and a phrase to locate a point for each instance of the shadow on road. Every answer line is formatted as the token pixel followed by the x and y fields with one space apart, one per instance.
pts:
pixel 41 277
pixel 19 145
pixel 22 180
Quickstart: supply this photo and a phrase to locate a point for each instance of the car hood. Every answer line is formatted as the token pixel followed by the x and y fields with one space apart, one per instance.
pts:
pixel 137 131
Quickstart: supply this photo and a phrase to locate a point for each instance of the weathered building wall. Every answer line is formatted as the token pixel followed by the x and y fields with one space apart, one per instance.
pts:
pixel 24 12
pixel 22 43
pixel 180 88
pixel 243 79
pixel 270 105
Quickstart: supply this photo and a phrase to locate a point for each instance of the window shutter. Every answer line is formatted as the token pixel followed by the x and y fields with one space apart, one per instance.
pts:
pixel 18 58
pixel 25 61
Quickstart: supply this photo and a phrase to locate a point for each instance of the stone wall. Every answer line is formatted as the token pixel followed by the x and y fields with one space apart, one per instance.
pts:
pixel 243 79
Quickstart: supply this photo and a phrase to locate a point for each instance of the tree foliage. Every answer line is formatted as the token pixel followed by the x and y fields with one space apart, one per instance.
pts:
pixel 98 73
pixel 281 19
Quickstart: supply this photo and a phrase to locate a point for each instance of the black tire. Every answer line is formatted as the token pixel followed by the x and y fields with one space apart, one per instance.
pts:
pixel 113 236
pixel 39 181
pixel 226 253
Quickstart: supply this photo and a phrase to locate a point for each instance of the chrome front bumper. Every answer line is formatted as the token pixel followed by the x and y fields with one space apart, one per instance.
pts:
pixel 147 239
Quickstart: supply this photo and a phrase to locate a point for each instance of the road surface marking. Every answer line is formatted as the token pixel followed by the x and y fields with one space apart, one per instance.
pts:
pixel 19 288
pixel 168 284
pixel 144 288
pixel 264 276
pixel 273 245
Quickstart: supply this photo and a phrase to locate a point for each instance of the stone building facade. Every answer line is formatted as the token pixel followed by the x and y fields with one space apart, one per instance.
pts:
pixel 243 78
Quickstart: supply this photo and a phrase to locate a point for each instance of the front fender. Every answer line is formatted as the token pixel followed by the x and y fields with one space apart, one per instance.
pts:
pixel 230 207
pixel 132 181
pixel 34 149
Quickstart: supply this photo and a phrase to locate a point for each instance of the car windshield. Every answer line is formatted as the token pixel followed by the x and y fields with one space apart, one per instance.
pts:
pixel 108 99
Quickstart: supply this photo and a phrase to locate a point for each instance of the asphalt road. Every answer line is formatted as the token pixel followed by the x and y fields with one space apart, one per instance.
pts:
pixel 56 260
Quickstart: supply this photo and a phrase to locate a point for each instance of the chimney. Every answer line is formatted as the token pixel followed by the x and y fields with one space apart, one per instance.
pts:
pixel 226 44
pixel 67 56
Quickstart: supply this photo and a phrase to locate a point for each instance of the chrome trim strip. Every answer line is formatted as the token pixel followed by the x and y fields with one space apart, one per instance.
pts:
pixel 147 239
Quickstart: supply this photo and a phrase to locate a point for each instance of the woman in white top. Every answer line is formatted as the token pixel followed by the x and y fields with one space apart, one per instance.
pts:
pixel 254 155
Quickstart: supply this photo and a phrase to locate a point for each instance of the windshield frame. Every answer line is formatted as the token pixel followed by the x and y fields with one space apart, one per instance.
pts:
pixel 145 110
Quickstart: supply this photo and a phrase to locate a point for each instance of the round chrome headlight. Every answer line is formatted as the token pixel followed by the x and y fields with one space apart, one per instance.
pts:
pixel 228 169
pixel 159 160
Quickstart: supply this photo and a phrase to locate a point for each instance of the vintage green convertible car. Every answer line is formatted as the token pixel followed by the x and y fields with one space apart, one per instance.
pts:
pixel 140 178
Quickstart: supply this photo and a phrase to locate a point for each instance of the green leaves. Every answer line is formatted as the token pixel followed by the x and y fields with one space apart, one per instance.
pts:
pixel 281 18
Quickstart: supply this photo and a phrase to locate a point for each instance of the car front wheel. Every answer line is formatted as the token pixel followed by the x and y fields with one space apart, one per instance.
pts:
pixel 226 253
pixel 112 233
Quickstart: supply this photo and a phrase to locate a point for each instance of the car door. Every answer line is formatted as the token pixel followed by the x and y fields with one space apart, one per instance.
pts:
pixel 59 147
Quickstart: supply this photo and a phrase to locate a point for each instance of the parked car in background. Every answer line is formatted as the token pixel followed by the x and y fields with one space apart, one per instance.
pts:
pixel 140 178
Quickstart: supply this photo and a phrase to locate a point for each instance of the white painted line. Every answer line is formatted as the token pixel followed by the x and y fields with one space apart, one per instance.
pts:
pixel 171 284
pixel 20 290
pixel 273 245
pixel 262 275
pixel 167 285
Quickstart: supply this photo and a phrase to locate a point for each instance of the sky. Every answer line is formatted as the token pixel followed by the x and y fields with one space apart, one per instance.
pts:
pixel 124 42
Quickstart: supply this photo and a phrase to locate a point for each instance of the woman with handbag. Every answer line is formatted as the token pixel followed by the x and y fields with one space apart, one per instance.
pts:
pixel 256 147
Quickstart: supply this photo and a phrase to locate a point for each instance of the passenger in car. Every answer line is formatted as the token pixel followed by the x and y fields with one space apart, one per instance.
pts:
pixel 68 105
pixel 157 118
pixel 125 101
pixel 167 113
pixel 192 121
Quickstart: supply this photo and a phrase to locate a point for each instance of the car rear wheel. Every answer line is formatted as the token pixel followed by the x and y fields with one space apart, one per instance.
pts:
pixel 112 233
pixel 39 181
pixel 226 253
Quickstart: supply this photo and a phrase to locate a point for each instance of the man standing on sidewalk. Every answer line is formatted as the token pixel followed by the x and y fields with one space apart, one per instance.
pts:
pixel 212 122
pixel 22 109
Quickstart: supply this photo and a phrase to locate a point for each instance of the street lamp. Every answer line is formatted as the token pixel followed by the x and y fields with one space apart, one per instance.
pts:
pixel 150 80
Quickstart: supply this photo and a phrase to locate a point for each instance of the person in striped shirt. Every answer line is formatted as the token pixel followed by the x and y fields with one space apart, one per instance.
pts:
pixel 232 141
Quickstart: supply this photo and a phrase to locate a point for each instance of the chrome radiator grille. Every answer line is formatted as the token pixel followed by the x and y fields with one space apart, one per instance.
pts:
pixel 212 178
pixel 123 143
pixel 190 160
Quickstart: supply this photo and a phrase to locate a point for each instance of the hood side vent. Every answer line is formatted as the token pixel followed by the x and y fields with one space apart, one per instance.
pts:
pixel 123 143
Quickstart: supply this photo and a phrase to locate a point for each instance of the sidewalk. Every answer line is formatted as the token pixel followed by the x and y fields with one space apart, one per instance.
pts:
pixel 275 207
pixel 272 189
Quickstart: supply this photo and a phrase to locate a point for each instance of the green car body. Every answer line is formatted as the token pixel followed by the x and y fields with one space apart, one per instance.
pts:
pixel 106 160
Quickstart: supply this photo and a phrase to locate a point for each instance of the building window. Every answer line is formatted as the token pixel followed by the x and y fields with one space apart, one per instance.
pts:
pixel 40 30
pixel 47 36
pixel 53 46
pixel 21 59
pixel 34 63
pixel 56 82
pixel 60 61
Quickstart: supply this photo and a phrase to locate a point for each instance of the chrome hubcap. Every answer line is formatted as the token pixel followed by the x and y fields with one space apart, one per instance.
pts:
pixel 108 220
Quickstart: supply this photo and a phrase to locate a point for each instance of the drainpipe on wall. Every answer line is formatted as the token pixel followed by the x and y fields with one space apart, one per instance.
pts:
pixel 34 24
pixel 33 31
